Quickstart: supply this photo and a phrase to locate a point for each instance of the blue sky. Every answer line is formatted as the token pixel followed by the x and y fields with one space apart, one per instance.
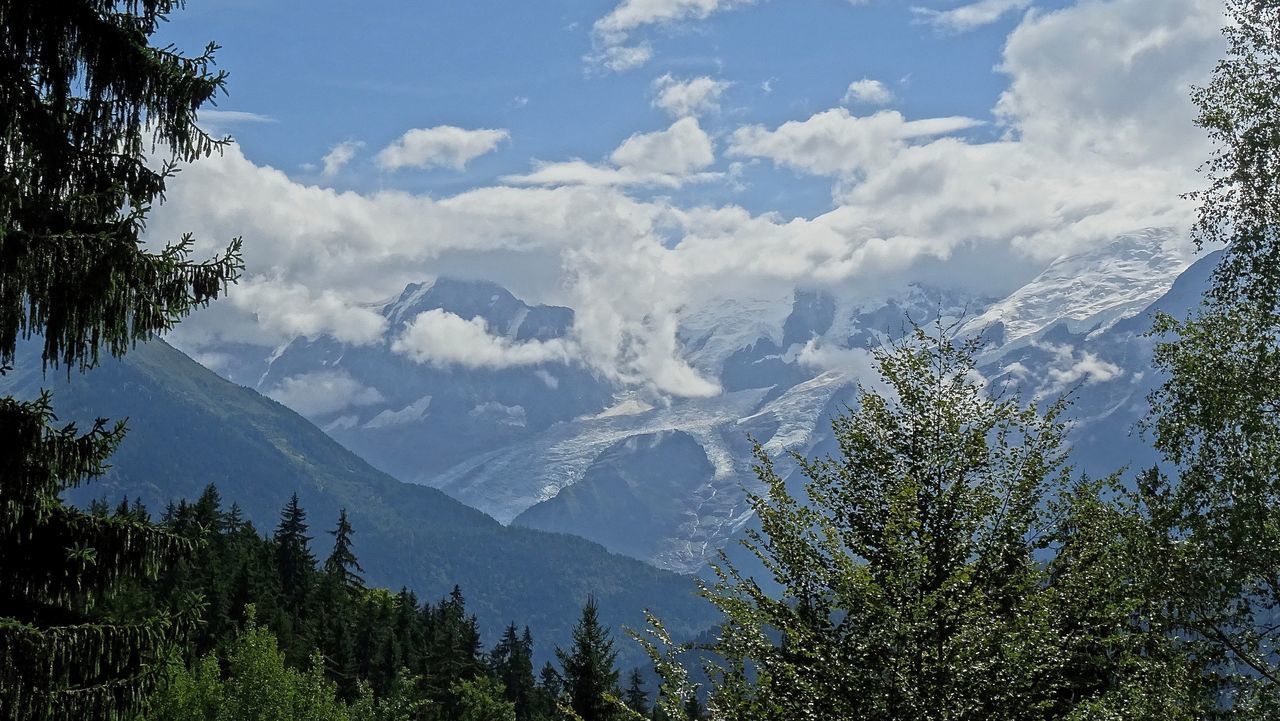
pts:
pixel 640 159
pixel 329 71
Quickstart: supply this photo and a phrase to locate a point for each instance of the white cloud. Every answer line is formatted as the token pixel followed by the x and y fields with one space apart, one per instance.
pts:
pixel 612 32
pixel 665 158
pixel 970 16
pixel 495 412
pixel 691 97
pixel 618 58
pixel 631 15
pixel 338 157
pixel 1068 368
pixel 1098 141
pixel 680 149
pixel 292 309
pixel 219 122
pixel 854 362
pixel 440 338
pixel 836 142
pixel 229 117
pixel 443 146
pixel 580 172
pixel 323 393
pixel 868 91
pixel 1124 98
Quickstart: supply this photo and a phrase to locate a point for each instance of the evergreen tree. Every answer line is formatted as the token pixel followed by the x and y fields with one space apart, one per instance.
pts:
pixel 590 678
pixel 693 710
pixel 512 662
pixel 635 697
pixel 342 563
pixel 546 695
pixel 294 560
pixel 86 104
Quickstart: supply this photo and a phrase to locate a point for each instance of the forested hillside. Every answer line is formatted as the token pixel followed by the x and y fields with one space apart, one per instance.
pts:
pixel 188 428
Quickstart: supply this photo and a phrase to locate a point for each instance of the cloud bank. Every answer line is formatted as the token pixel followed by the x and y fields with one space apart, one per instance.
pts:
pixel 1093 137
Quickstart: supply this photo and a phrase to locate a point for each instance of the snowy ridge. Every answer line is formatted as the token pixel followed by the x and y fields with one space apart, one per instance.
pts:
pixel 1091 291
pixel 716 329
pixel 506 441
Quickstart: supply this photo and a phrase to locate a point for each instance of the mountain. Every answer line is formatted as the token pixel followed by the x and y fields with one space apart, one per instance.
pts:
pixel 413 419
pixel 189 428
pixel 666 481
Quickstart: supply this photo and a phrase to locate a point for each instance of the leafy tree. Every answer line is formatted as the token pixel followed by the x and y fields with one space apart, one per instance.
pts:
pixel 483 699
pixel 86 105
pixel 258 686
pixel 590 678
pixel 911 574
pixel 1216 419
pixel 403 703
pixel 190 695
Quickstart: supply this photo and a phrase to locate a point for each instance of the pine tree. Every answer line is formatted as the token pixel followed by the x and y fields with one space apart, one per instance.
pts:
pixel 693 710
pixel 588 667
pixel 294 560
pixel 342 563
pixel 512 663
pixel 86 104
pixel 546 694
pixel 635 697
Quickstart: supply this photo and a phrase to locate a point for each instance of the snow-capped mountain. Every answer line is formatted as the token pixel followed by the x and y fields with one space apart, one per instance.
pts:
pixel 1090 291
pixel 549 445
pixel 414 419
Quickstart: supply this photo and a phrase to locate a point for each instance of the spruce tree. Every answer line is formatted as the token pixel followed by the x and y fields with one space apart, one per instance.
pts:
pixel 590 678
pixel 512 663
pixel 294 560
pixel 635 697
pixel 87 105
pixel 693 710
pixel 342 563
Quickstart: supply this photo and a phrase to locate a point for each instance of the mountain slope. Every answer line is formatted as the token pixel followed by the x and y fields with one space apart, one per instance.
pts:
pixel 189 428
pixel 516 442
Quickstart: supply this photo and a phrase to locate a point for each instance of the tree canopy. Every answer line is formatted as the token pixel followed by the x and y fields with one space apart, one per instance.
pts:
pixel 88 107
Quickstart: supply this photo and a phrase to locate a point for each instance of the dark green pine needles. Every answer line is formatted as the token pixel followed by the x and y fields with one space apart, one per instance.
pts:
pixel 86 106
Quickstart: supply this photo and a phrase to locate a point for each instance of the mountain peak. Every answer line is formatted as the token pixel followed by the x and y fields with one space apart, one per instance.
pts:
pixel 1092 290
pixel 503 313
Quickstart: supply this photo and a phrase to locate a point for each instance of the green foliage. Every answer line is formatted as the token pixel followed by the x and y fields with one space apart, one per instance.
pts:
pixel 257 686
pixel 912 574
pixel 483 699
pixel 1216 419
pixel 86 106
pixel 588 668
pixel 85 103
pixel 376 654
pixel 189 428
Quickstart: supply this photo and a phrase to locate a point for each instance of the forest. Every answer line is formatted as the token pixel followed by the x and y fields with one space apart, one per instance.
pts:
pixel 278 633
pixel 947 563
